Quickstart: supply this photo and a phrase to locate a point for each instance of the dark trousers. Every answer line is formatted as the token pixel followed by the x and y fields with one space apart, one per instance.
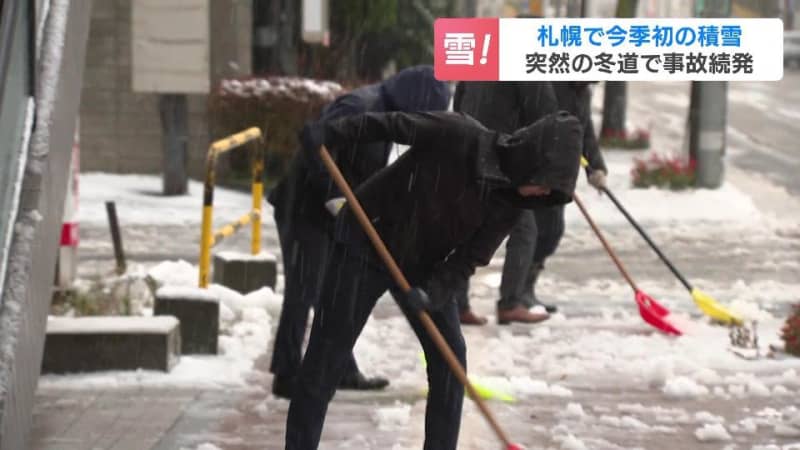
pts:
pixel 350 289
pixel 305 250
pixel 533 239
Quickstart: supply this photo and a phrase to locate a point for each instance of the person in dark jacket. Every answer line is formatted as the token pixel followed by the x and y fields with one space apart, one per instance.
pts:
pixel 442 209
pixel 505 107
pixel 534 241
pixel 303 201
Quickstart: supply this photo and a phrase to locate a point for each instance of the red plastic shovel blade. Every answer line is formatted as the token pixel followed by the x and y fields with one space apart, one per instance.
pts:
pixel 515 447
pixel 651 304
pixel 654 314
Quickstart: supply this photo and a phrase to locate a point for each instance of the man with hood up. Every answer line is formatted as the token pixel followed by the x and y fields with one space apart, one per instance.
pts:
pixel 303 205
pixel 442 209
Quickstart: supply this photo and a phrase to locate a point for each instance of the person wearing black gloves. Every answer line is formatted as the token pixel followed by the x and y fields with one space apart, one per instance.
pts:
pixel 442 209
pixel 305 200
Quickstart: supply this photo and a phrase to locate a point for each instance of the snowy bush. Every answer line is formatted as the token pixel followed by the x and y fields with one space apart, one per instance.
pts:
pixel 674 173
pixel 280 106
pixel 790 333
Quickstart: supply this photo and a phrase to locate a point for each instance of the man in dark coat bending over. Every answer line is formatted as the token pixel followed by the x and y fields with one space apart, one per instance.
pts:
pixel 442 209
pixel 305 200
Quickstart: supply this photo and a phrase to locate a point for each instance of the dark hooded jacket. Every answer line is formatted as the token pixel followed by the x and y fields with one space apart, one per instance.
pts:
pixel 505 106
pixel 302 193
pixel 576 98
pixel 452 196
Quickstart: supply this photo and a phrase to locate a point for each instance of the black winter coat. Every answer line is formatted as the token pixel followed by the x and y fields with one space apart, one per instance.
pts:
pixel 576 98
pixel 302 193
pixel 505 106
pixel 451 198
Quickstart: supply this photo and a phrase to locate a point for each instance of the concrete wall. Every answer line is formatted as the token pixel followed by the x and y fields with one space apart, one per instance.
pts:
pixel 26 297
pixel 120 129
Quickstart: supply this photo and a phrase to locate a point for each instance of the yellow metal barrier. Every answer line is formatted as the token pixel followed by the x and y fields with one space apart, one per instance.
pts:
pixel 209 239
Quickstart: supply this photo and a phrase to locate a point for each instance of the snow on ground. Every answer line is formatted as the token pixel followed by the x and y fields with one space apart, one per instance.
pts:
pixel 392 417
pixel 712 433
pixel 661 207
pixel 245 331
pixel 598 340
pixel 139 202
pixel 611 339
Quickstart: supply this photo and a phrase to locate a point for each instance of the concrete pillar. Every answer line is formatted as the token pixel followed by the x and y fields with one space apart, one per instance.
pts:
pixel 198 312
pixel 245 273
pixel 102 343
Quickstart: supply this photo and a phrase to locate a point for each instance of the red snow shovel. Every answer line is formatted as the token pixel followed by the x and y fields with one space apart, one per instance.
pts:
pixel 651 311
pixel 401 281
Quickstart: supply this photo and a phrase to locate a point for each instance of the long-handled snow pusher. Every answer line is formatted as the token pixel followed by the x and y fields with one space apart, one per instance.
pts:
pixel 704 302
pixel 651 311
pixel 401 281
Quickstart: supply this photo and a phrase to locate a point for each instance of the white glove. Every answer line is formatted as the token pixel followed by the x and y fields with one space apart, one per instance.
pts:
pixel 334 205
pixel 598 179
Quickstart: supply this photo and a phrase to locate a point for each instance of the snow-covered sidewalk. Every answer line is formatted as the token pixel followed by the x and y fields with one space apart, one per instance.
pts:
pixel 595 376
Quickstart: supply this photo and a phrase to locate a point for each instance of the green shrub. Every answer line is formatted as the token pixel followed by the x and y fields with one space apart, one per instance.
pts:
pixel 280 106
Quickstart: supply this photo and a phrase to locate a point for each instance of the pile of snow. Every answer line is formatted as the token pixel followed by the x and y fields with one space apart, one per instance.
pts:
pixel 712 433
pixel 245 331
pixel 745 426
pixel 566 439
pixel 392 417
pixel 174 274
pixel 705 417
pixel 683 387
pixel 573 411
pixel 524 386
pixel 207 446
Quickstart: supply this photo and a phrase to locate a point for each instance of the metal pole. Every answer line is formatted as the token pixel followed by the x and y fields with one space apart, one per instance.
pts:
pixel 708 115
pixel 116 238
pixel 258 194
pixel 175 141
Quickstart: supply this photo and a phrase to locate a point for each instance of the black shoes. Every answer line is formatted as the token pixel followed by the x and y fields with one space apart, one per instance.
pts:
pixel 551 309
pixel 283 386
pixel 358 382
pixel 537 270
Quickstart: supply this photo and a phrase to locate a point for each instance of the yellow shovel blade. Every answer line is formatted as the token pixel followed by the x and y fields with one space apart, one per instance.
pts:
pixel 484 392
pixel 713 309
pixel 491 394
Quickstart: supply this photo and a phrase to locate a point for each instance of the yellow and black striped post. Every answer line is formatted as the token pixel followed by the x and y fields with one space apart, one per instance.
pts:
pixel 207 239
pixel 258 194
pixel 231 228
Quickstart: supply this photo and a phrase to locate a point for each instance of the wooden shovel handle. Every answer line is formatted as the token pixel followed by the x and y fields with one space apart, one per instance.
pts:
pixel 604 242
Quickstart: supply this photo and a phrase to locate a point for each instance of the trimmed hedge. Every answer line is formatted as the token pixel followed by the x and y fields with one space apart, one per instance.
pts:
pixel 280 106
